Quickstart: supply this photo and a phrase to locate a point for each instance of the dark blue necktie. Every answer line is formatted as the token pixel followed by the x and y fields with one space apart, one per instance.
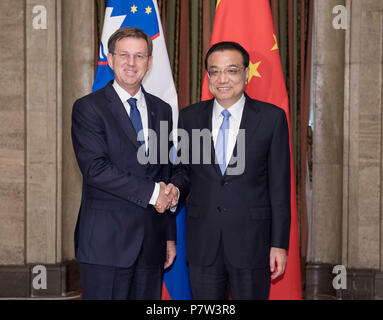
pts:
pixel 136 118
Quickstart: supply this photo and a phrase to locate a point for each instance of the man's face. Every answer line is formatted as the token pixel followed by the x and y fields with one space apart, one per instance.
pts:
pixel 227 78
pixel 130 63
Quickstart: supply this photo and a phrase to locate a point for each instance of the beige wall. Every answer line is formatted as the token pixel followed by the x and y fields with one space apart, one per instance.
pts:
pixel 328 97
pixel 12 132
pixel 43 135
pixel 43 72
pixel 346 223
pixel 78 62
pixel 362 196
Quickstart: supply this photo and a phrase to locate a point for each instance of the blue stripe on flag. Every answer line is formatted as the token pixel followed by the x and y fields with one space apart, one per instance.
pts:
pixel 177 278
pixel 139 14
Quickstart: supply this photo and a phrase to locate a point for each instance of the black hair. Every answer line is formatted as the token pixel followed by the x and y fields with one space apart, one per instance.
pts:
pixel 229 45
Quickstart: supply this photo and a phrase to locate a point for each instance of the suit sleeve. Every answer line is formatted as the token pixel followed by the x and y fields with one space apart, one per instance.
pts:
pixel 279 183
pixel 181 172
pixel 91 149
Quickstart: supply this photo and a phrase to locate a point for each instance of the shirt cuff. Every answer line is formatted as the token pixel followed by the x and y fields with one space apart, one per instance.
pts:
pixel 156 193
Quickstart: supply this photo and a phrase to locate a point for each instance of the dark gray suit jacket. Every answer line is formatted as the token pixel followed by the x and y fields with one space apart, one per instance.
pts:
pixel 115 219
pixel 249 211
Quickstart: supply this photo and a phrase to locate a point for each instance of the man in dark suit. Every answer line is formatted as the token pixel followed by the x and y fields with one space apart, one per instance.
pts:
pixel 121 241
pixel 238 214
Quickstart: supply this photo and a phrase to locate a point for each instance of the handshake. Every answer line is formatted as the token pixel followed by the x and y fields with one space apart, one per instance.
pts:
pixel 168 197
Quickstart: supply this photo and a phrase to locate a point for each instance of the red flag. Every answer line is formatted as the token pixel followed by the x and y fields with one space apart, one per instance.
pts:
pixel 250 23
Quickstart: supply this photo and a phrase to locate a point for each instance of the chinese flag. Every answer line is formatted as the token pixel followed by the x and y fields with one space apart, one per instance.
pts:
pixel 250 23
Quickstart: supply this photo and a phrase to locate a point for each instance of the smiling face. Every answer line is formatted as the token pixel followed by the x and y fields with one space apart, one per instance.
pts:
pixel 127 63
pixel 227 88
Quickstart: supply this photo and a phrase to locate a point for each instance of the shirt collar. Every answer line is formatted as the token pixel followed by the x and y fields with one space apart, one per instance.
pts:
pixel 235 110
pixel 124 95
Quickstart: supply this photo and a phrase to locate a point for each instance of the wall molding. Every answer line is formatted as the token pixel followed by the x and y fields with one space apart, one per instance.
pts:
pixel 62 280
pixel 362 284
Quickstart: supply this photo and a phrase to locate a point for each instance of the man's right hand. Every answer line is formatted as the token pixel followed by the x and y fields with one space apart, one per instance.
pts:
pixel 164 201
pixel 167 198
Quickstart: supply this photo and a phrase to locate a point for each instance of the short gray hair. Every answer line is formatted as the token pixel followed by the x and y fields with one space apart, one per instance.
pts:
pixel 129 32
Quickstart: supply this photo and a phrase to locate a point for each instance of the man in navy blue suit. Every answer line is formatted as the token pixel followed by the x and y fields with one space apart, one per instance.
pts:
pixel 238 214
pixel 124 236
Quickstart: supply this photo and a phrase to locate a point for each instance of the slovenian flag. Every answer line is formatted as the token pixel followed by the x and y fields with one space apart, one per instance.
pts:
pixel 143 14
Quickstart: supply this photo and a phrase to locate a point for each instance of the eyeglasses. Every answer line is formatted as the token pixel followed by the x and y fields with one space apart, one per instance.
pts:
pixel 229 71
pixel 126 56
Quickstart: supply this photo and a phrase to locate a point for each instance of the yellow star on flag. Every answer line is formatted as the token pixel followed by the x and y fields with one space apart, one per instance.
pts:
pixel 218 1
pixel 253 72
pixel 148 10
pixel 276 43
pixel 133 9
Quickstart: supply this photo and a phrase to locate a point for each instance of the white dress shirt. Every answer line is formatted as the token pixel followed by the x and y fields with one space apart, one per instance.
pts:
pixel 236 111
pixel 142 108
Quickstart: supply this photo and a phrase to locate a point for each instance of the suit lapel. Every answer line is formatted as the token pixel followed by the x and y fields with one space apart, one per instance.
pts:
pixel 251 118
pixel 153 124
pixel 121 116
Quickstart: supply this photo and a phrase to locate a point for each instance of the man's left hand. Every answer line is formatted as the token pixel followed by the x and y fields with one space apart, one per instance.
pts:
pixel 277 262
pixel 170 253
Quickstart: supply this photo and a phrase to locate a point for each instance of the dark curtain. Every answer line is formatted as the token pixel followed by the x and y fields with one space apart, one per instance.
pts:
pixel 293 24
pixel 187 27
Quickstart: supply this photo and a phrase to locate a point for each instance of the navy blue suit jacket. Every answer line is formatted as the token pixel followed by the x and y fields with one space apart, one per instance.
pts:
pixel 249 211
pixel 115 218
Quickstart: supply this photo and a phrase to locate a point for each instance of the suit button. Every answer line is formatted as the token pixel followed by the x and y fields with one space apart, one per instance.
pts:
pixel 219 209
